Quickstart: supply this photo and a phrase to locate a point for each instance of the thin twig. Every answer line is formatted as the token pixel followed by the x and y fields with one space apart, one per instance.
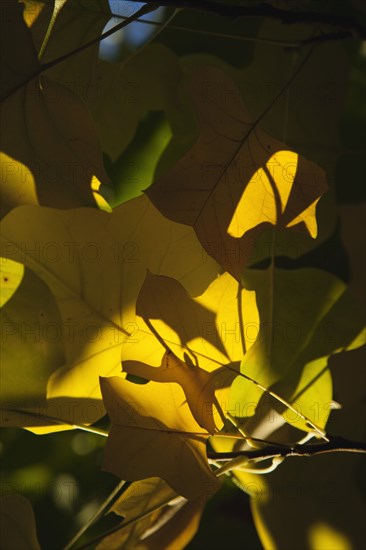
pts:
pixel 323 37
pixel 287 16
pixel 146 8
pixel 162 26
pixel 335 444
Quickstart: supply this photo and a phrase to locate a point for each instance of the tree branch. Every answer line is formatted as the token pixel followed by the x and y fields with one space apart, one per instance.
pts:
pixel 348 25
pixel 335 444
pixel 146 8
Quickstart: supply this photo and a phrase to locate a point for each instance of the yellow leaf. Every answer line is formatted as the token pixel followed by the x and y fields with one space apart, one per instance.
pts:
pixel 198 385
pixel 143 499
pixel 46 158
pixel 143 495
pixel 31 351
pixel 11 275
pixel 195 342
pixel 172 443
pixel 306 316
pixel 160 525
pixel 178 530
pixel 323 536
pixel 30 320
pixel 94 264
pixel 32 11
pixel 55 161
pixel 236 180
pixel 268 187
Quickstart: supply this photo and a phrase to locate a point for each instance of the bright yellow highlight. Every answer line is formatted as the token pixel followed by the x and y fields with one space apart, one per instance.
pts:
pixel 18 185
pixel 32 10
pixel 11 275
pixel 308 217
pixel 99 199
pixel 266 196
pixel 324 537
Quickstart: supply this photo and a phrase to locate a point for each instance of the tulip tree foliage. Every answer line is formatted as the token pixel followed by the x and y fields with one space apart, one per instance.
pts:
pixel 180 272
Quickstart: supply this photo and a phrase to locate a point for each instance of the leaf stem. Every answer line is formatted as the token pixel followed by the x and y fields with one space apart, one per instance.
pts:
pixel 84 427
pixel 277 397
pixel 91 429
pixel 101 510
pixel 242 464
pixel 126 524
pixel 58 5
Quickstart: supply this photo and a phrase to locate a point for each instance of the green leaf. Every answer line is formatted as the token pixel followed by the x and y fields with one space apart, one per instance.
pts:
pixel 134 170
pixel 32 350
pixel 321 498
pixel 305 316
pixel 123 95
pixel 94 264
pixel 18 525
pixel 236 180
pixel 32 347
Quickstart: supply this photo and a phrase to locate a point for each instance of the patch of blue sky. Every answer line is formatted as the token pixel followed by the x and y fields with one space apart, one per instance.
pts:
pixel 133 36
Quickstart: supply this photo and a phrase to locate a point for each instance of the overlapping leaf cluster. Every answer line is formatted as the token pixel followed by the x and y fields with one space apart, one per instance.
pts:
pixel 154 311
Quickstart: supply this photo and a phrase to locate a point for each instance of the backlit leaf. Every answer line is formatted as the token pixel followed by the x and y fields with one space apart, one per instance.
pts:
pixel 194 342
pixel 321 498
pixel 31 342
pixel 144 498
pixel 140 424
pixel 161 525
pixel 11 275
pixel 46 157
pixel 236 179
pixel 177 531
pixel 305 317
pixel 32 349
pixel 116 93
pixel 95 264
